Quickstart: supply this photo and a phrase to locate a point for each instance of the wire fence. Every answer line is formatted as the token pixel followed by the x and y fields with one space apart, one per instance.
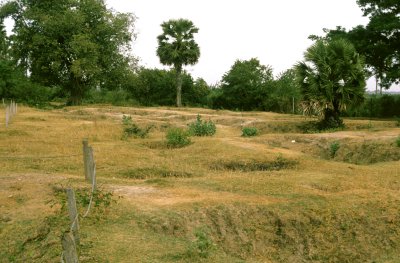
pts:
pixel 71 239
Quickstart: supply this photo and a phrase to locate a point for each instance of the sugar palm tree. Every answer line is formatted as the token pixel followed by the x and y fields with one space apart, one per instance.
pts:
pixel 177 48
pixel 331 78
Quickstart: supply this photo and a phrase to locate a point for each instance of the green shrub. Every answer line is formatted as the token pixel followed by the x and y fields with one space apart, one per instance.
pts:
pixel 202 128
pixel 334 148
pixel 398 141
pixel 177 138
pixel 131 128
pixel 249 131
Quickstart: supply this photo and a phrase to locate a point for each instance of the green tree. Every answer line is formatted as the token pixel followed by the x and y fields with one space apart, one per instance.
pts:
pixel 371 44
pixel 74 44
pixel 245 86
pixel 157 86
pixel 331 78
pixel 378 41
pixel 385 23
pixel 177 48
pixel 285 94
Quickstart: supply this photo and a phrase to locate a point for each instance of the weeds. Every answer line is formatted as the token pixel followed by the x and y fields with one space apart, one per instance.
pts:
pixel 202 246
pixel 279 163
pixel 132 129
pixel 249 131
pixel 177 138
pixel 398 141
pixel 202 128
pixel 334 147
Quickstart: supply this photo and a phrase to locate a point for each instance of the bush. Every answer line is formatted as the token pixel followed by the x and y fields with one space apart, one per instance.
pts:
pixel 202 128
pixel 249 131
pixel 398 141
pixel 334 148
pixel 177 138
pixel 131 129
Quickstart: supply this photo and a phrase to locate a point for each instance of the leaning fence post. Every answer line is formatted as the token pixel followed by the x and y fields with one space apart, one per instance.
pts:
pixel 88 162
pixel 73 214
pixel 86 159
pixel 70 254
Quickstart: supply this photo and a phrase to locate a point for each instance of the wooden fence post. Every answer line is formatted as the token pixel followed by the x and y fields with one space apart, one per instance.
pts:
pixel 88 162
pixel 73 215
pixel 70 254
pixel 86 159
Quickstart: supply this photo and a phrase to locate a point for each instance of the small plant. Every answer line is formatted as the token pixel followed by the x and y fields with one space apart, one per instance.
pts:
pixel 177 138
pixel 131 128
pixel 202 128
pixel 398 141
pixel 334 148
pixel 202 246
pixel 249 131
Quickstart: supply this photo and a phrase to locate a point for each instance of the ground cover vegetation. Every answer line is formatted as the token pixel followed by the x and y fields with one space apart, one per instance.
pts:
pixel 283 195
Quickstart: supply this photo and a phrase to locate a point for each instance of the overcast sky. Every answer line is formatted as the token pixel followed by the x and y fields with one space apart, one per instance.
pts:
pixel 274 31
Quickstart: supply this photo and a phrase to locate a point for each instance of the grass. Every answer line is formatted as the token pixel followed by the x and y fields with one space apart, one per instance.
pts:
pixel 276 197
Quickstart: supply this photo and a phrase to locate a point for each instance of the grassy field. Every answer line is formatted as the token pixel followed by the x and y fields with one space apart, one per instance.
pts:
pixel 282 196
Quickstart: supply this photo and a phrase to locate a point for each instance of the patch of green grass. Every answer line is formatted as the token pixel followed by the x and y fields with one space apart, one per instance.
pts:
pixel 154 172
pixel 334 147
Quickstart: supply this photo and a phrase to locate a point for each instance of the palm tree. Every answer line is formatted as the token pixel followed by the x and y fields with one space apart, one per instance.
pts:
pixel 330 79
pixel 177 47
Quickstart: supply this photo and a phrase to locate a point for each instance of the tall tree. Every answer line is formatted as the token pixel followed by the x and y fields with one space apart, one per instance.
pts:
pixel 385 23
pixel 331 78
pixel 245 86
pixel 378 41
pixel 177 48
pixel 74 44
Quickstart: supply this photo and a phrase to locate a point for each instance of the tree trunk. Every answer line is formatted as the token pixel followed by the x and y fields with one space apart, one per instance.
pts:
pixel 76 93
pixel 179 87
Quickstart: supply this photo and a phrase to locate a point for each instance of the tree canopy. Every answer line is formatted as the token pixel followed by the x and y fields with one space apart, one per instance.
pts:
pixel 245 85
pixel 177 48
pixel 74 44
pixel 378 41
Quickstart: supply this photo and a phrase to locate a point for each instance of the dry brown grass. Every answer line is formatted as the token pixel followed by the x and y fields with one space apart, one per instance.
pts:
pixel 320 209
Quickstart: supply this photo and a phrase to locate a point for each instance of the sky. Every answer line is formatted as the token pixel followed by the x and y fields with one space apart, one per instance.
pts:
pixel 274 31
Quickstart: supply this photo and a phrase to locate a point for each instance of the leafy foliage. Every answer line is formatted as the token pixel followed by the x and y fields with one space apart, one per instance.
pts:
pixel 132 129
pixel 82 40
pixel 177 48
pixel 334 147
pixel 249 131
pixel 177 138
pixel 245 86
pixel 331 78
pixel 202 128
pixel 157 87
pixel 398 141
